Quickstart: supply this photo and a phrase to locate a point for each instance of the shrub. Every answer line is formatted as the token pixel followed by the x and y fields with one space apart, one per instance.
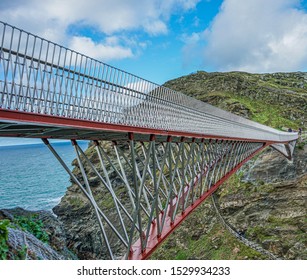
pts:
pixel 33 225
pixel 3 239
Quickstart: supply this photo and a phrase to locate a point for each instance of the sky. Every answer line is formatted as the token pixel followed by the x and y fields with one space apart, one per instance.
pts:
pixel 160 40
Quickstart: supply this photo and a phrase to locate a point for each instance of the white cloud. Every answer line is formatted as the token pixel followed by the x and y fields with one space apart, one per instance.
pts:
pixel 167 7
pixel 105 52
pixel 257 36
pixel 51 19
pixel 192 50
pixel 156 27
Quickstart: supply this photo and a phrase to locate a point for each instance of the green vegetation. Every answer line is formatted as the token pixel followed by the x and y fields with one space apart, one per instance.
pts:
pixel 267 114
pixel 33 225
pixel 217 244
pixel 21 254
pixel 271 230
pixel 302 142
pixel 3 238
pixel 222 245
pixel 76 202
pixel 181 255
pixel 278 100
pixel 259 233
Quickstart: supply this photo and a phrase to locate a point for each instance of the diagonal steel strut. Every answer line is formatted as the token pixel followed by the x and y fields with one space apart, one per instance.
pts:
pixel 160 184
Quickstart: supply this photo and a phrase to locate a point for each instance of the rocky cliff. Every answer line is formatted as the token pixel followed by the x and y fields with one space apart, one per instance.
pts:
pixel 32 235
pixel 268 206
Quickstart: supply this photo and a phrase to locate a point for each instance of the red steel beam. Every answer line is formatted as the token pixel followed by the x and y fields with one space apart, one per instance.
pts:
pixel 64 122
pixel 154 241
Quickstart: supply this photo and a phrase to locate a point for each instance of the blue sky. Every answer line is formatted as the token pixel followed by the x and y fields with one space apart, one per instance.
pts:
pixel 161 40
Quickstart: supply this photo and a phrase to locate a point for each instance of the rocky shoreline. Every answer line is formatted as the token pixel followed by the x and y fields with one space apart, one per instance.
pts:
pixel 34 235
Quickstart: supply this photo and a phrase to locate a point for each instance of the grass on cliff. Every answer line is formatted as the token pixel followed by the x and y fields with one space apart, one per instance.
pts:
pixel 212 241
pixel 218 244
pixel 256 110
pixel 270 115
pixel 3 239
pixel 32 224
pixel 221 245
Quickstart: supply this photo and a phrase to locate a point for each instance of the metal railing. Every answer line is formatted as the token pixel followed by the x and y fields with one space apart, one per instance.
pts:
pixel 42 77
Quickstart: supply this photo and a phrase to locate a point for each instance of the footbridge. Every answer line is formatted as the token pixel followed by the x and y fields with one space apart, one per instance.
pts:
pixel 158 153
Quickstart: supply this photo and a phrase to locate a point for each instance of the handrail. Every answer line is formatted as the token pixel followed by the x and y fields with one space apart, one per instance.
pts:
pixel 39 76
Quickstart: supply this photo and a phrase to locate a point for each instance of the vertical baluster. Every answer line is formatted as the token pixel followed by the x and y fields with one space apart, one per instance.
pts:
pixel 62 87
pixel 8 104
pixel 2 64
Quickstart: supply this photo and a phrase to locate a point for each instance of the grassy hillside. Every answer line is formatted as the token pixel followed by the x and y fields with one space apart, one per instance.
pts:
pixel 277 100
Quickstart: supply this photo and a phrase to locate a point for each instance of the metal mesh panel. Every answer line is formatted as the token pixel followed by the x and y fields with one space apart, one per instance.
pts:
pixel 38 76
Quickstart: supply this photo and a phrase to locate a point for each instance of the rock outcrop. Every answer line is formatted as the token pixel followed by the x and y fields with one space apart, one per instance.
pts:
pixel 34 235
pixel 272 167
pixel 270 207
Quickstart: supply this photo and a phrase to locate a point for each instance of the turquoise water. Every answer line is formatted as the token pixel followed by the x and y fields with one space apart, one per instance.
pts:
pixel 31 177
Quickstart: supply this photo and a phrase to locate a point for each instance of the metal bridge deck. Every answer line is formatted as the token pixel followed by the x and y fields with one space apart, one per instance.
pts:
pixel 29 125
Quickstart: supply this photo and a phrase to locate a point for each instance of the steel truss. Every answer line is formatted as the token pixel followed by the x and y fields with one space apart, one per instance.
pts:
pixel 161 183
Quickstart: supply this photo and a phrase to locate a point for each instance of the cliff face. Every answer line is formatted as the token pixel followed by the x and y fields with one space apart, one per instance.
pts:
pixel 272 167
pixel 269 203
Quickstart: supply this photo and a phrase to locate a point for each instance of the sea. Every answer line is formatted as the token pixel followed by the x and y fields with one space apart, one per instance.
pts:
pixel 32 178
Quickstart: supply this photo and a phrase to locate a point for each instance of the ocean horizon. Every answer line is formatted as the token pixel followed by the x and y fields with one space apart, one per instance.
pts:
pixel 32 178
